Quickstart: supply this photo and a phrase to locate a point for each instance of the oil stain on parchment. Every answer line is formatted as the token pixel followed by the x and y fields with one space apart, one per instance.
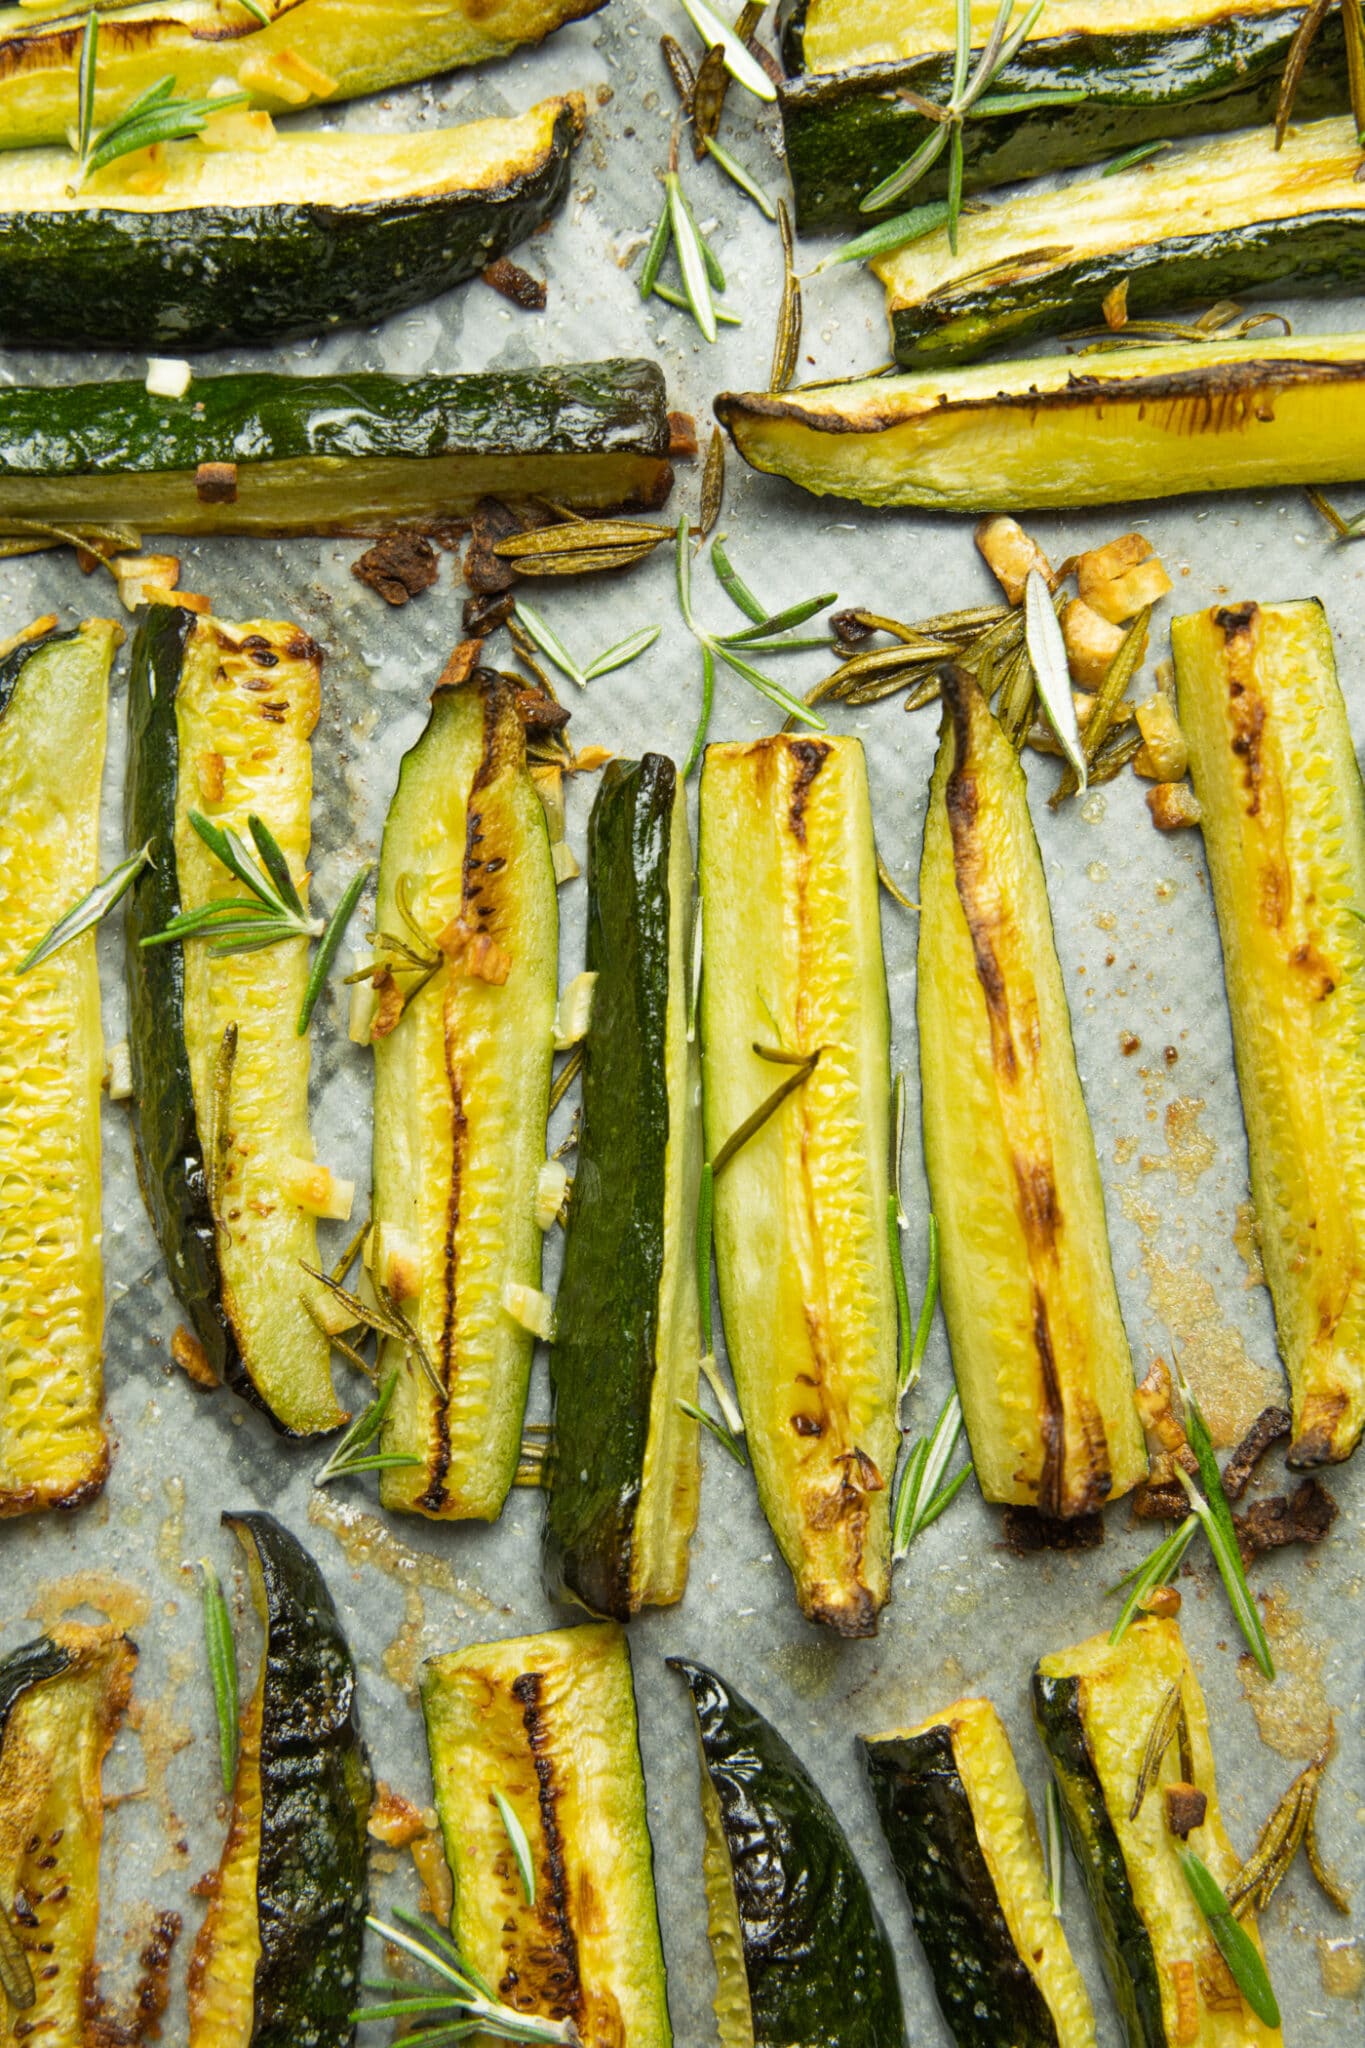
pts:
pixel 1292 1710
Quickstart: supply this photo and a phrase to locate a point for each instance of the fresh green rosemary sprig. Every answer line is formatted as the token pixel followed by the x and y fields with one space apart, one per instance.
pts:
pixel 92 907
pixel 583 673
pixel 1052 673
pixel 520 1845
pixel 221 1647
pixel 723 1435
pixel 465 2005
pixel 254 7
pixel 921 1496
pixel 735 171
pixel 352 1454
pixel 154 116
pixel 927 1306
pixel 897 233
pixel 1155 1570
pixel 898 1222
pixel 729 648
pixel 1235 1945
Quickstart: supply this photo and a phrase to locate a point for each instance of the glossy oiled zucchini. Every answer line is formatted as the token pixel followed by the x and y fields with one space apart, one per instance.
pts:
pixel 801 1954
pixel 1049 431
pixel 53 1450
pixel 963 1837
pixel 626 1469
pixel 61 1701
pixel 1284 829
pixel 277 1959
pixel 1038 1343
pixel 549 1722
pixel 219 719
pixel 1095 1707
pixel 461 1091
pixel 307 50
pixel 1039 265
pixel 355 454
pixel 1142 70
pixel 320 230
pixel 793 964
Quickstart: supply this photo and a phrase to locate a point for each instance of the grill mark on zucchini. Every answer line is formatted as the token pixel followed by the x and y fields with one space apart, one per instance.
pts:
pixel 810 757
pixel 562 1978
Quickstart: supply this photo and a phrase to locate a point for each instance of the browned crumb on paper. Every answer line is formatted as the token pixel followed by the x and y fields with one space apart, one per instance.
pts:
pixel 487 573
pixel 104 2029
pixel 483 613
pixel 397 567
pixel 394 1819
pixel 190 1355
pixel 1293 1715
pixel 682 436
pixel 1027 1531
pixel 460 665
pixel 1305 1516
pixel 541 713
pixel 1269 1427
pixel 512 282
pixel 1173 806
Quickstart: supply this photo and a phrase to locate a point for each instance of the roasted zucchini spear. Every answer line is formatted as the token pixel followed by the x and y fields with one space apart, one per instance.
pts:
pixel 963 1838
pixel 1039 265
pixel 462 1082
pixel 62 1699
pixel 308 50
pixel 626 1468
pixel 1096 1708
pixel 800 1950
pixel 219 719
pixel 237 245
pixel 1275 771
pixel 1001 437
pixel 53 1449
pixel 548 1721
pixel 1142 71
pixel 260 453
pixel 277 1960
pixel 1039 1350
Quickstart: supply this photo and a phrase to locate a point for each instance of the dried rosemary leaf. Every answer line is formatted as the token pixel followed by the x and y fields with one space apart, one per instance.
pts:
pixel 680 71
pixel 567 1075
pixel 1108 697
pixel 1158 1742
pixel 712 483
pixel 581 534
pixel 584 562
pixel 754 1122
pixel 788 344
pixel 1305 37
pixel 16 1975
pixel 708 98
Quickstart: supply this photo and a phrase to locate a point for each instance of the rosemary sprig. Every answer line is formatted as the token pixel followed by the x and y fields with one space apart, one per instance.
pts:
pixel 1216 1517
pixel 1291 1826
pixel 728 649
pixel 1154 1571
pixel 383 1316
pixel 553 648
pixel 787 344
pixel 733 584
pixel 92 907
pixel 352 1454
pixel 1052 673
pixel 1234 1944
pixel 691 247
pixel 921 1496
pixel 1056 1867
pixel 221 1647
pixel 736 172
pixel 712 486
pixel 16 1972
pixel 742 67
pixel 254 8
pixel 1304 38
pixel 724 1436
pixel 1344 529
pixel 926 1313
pixel 85 84
pixel 520 1846
pixel 1168 1716
pixel 467 2004
pixel 334 932
pixel 155 116
pixel 897 1222
pixel 897 233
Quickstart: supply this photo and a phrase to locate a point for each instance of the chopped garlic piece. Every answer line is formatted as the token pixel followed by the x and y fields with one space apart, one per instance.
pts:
pixel 552 1185
pixel 168 376
pixel 285 76
pixel 1166 755
pixel 1091 644
pixel 394 1258
pixel 1173 804
pixel 248 128
pixel 565 861
pixel 573 1013
pixel 529 1307
pixel 119 1073
pixel 1118 580
pixel 317 1189
pixel 1011 553
pixel 145 579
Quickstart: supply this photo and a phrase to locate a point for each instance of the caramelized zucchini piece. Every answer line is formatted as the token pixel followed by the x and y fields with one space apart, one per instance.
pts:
pixel 548 1721
pixel 62 1700
pixel 277 1960
pixel 1039 1349
pixel 626 1469
pixel 1283 809
pixel 461 1091
pixel 219 722
pixel 801 1954
pixel 793 965
pixel 53 1449
pixel 1095 1707
pixel 964 1840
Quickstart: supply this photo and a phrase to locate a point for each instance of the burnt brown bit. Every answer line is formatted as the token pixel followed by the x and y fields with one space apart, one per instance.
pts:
pixel 398 567
pixel 215 483
pixel 1185 1807
pixel 1269 1427
pixel 1027 1531
pixel 962 800
pixel 540 712
pixel 141 2020
pixel 550 1963
pixel 1305 1516
pixel 460 665
pixel 1052 1419
pixel 810 757
pixel 485 572
pixel 485 612
pixel 1160 1503
pixel 1316 1442
pixel 516 284
pixel 682 436
pixel 807 1425
pixel 435 1496
pixel 851 627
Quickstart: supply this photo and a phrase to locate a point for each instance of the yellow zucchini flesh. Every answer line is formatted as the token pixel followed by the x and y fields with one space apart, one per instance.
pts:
pixel 1054 431
pixel 839 33
pixel 461 1098
pixel 792 951
pixel 1039 1350
pixel 53 1449
pixel 1283 810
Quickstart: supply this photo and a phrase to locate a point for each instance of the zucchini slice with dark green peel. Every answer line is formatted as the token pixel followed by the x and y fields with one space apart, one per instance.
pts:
pixel 219 721
pixel 277 1959
pixel 322 230
pixel 349 454
pixel 962 1835
pixel 1280 791
pixel 1150 71
pixel 548 1721
pixel 793 964
pixel 462 1085
pixel 1095 1707
pixel 1040 265
pixel 626 1468
pixel 1009 437
pixel 309 50
pixel 1039 1349
pixel 801 1954
pixel 62 1700
pixel 53 1449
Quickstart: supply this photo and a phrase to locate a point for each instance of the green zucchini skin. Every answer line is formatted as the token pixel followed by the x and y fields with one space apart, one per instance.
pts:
pixel 28 1665
pixel 1132 1966
pixel 820 1965
pixel 17 660
pixel 988 1997
pixel 846 131
pixel 213 277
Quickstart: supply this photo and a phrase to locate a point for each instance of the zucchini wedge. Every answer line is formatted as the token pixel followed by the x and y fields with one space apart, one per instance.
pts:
pixel 626 1465
pixel 1039 1350
pixel 793 963
pixel 219 719
pixel 1278 783
pixel 549 1722
pixel 53 1449
pixel 963 1838
pixel 322 230
pixel 800 1950
pixel 1008 437
pixel 1095 1707
pixel 1147 70
pixel 461 1098
pixel 308 50
pixel 267 454
pixel 62 1700
pixel 276 1963
pixel 1039 265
